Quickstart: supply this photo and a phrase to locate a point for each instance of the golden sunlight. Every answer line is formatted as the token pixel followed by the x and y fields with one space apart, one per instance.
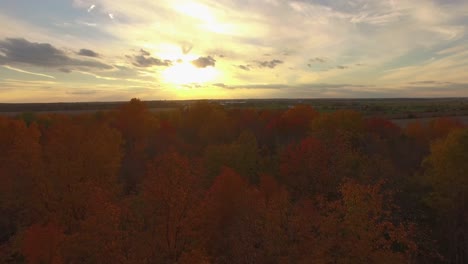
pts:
pixel 194 10
pixel 186 73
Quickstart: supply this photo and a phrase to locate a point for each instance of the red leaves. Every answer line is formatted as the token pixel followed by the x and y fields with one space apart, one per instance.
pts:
pixel 295 122
pixel 382 127
pixel 41 244
pixel 305 168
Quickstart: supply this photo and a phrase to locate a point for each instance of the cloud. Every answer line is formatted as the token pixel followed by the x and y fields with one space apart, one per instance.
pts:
pixel 318 59
pixel 88 53
pixel 28 72
pixel 429 83
pixel 144 52
pixel 21 51
pixel 145 60
pixel 91 8
pixel 258 86
pixel 186 47
pixel 342 67
pixel 268 64
pixel 204 62
pixel 82 92
pixel 222 85
pixel 244 67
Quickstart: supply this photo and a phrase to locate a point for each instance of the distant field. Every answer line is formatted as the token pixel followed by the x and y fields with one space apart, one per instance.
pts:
pixel 76 112
pixel 400 110
pixel 405 122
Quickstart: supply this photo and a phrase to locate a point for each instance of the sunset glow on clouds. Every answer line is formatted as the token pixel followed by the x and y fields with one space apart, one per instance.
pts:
pixel 101 50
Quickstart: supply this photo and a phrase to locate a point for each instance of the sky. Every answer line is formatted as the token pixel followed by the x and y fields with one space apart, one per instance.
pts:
pixel 108 50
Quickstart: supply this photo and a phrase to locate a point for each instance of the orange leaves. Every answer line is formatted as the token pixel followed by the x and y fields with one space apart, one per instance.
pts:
pixel 357 227
pixel 229 226
pixel 20 169
pixel 433 129
pixel 82 152
pixel 170 193
pixel 78 155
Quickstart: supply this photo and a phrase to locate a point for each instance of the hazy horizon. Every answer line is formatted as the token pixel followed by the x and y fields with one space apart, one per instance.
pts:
pixel 102 50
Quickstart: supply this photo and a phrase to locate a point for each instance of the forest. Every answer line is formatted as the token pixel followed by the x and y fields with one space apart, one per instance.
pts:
pixel 208 184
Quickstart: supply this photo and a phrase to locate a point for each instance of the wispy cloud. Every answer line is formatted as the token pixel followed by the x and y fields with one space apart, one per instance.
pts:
pixel 28 72
pixel 91 8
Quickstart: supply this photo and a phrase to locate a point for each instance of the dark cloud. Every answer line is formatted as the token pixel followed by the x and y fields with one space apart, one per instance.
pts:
pixel 268 64
pixel 82 92
pixel 342 67
pixel 298 86
pixel 186 47
pixel 192 85
pixel 145 60
pixel 88 53
pixel 256 86
pixel 204 62
pixel 318 59
pixel 21 51
pixel 244 67
pixel 222 85
pixel 65 70
pixel 287 52
pixel 430 82
pixel 144 52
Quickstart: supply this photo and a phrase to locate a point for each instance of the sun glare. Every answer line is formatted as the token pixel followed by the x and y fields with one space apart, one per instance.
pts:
pixel 186 73
pixel 195 10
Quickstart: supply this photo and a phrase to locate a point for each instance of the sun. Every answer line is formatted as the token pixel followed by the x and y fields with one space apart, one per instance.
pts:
pixel 186 73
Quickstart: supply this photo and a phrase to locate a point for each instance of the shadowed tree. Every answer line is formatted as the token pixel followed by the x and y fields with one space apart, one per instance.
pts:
pixel 78 154
pixel 356 228
pixel 230 230
pixel 446 171
pixel 305 169
pixel 41 244
pixel 294 124
pixel 20 172
pixel 241 155
pixel 137 125
pixel 170 193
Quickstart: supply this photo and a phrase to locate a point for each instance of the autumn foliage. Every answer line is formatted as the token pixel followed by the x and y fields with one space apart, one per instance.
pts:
pixel 208 184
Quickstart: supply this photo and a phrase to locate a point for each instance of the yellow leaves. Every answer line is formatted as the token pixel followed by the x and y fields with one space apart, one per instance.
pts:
pixel 447 170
